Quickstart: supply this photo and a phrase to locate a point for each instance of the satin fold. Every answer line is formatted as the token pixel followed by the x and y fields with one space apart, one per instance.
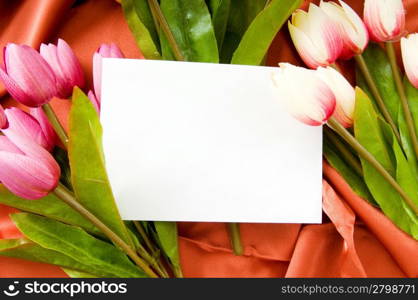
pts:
pixel 355 239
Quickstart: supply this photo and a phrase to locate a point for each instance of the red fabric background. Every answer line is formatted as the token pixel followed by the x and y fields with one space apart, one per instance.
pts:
pixel 355 240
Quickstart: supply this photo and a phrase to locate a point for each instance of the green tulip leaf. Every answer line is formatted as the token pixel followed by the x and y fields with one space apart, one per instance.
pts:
pixel 191 25
pixel 88 172
pixel 77 274
pixel 381 71
pixel 143 37
pixel 353 179
pixel 49 206
pixel 143 12
pixel 412 95
pixel 101 257
pixel 261 32
pixel 241 14
pixel 28 250
pixel 372 132
pixel 168 240
pixel 220 15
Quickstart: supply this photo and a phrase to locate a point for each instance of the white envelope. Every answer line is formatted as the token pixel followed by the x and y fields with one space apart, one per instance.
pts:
pixel 206 142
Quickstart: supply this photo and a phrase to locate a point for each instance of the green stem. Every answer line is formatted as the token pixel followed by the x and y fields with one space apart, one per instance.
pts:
pixel 158 14
pixel 404 100
pixel 366 155
pixel 152 261
pixel 67 197
pixel 144 236
pixel 376 94
pixel 154 256
pixel 52 117
pixel 342 148
pixel 235 237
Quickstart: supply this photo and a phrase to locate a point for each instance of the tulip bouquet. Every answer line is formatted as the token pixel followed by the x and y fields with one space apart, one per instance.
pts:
pixel 378 156
pixel 56 176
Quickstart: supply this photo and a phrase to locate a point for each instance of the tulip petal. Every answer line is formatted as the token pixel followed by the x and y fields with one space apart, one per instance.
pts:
pixel 48 131
pixel 97 75
pixel 409 46
pixel 70 64
pixel 3 118
pixel 94 101
pixel 15 91
pixel 26 177
pixel 105 50
pixel 314 103
pixel 25 125
pixel 345 95
pixel 8 146
pixel 33 150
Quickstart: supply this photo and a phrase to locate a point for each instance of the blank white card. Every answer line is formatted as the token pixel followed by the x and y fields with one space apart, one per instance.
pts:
pixel 206 142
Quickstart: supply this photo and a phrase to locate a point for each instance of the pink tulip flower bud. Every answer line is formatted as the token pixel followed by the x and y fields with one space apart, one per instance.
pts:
pixel 307 97
pixel 315 36
pixel 65 65
pixel 3 118
pixel 27 126
pixel 27 76
pixel 409 46
pixel 27 169
pixel 104 51
pixel 345 95
pixel 385 19
pixel 353 31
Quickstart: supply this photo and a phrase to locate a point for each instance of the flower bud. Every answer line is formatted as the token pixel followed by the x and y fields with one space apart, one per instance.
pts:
pixel 27 76
pixel 315 36
pixel 105 50
pixel 313 102
pixel 354 32
pixel 65 65
pixel 26 169
pixel 409 46
pixel 345 95
pixel 385 19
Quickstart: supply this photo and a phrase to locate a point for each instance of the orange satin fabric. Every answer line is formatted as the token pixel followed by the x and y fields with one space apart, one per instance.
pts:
pixel 355 239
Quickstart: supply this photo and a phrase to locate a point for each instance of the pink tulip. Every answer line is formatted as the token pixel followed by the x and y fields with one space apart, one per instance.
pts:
pixel 27 76
pixel 26 169
pixel 385 19
pixel 315 36
pixel 353 31
pixel 105 50
pixel 307 97
pixel 94 101
pixel 66 66
pixel 27 126
pixel 3 118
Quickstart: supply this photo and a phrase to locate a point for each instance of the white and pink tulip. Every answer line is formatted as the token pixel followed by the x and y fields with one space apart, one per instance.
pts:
pixel 353 31
pixel 315 36
pixel 409 46
pixel 385 19
pixel 314 103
